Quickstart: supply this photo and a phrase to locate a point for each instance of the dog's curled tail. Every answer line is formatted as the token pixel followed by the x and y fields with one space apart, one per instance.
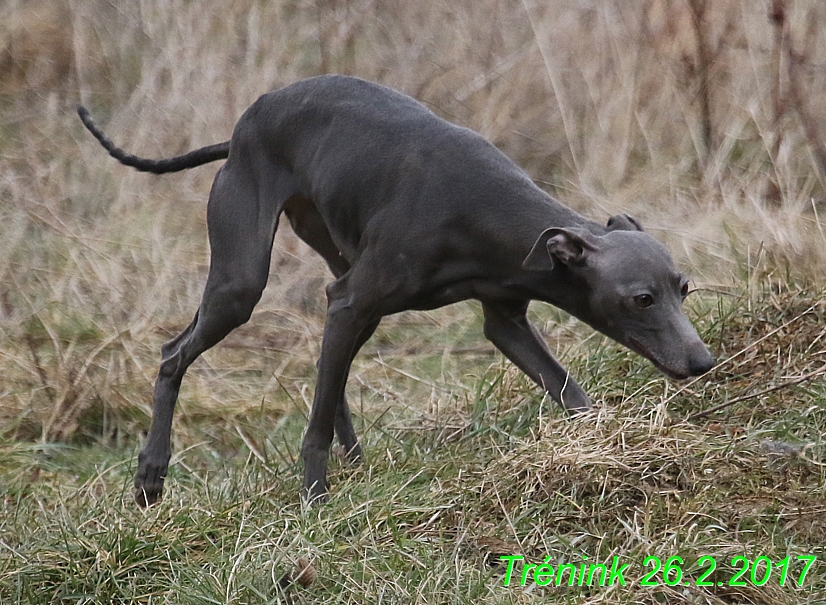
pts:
pixel 204 155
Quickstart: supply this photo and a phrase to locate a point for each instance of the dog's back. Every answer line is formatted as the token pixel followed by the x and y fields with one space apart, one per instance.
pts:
pixel 354 147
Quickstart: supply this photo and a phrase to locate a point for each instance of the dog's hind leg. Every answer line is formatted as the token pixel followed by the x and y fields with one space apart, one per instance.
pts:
pixel 308 224
pixel 242 216
pixel 351 320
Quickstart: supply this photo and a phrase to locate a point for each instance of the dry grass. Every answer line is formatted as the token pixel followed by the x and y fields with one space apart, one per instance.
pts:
pixel 603 104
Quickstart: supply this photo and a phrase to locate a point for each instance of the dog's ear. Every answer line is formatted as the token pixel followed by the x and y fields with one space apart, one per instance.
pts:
pixel 567 246
pixel 624 222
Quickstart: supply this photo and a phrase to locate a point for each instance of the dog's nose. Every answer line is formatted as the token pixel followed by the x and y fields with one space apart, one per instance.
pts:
pixel 701 363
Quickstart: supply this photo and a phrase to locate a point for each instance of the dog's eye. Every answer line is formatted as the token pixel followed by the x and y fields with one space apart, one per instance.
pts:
pixel 643 301
pixel 684 289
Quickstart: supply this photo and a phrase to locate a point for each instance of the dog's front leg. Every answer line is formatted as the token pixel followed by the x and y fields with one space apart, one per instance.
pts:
pixel 345 331
pixel 507 327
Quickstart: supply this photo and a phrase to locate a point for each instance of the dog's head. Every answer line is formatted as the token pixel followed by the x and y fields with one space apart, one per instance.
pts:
pixel 628 289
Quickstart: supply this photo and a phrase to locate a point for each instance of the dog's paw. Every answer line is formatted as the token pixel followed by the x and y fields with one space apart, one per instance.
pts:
pixel 149 481
pixel 315 487
pixel 144 498
pixel 352 456
pixel 314 490
pixel 313 496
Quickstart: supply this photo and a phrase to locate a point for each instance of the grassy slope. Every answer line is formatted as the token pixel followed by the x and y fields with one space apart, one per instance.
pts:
pixel 99 265
pixel 443 496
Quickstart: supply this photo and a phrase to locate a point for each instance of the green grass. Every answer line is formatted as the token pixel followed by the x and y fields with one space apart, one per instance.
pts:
pixel 444 494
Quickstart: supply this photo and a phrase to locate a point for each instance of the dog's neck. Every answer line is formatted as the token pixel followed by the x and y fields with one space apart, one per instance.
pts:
pixel 534 212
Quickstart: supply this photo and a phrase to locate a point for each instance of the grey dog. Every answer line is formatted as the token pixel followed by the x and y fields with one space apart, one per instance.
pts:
pixel 410 212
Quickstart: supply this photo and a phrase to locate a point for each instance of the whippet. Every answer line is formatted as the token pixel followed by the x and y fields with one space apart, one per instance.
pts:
pixel 410 212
